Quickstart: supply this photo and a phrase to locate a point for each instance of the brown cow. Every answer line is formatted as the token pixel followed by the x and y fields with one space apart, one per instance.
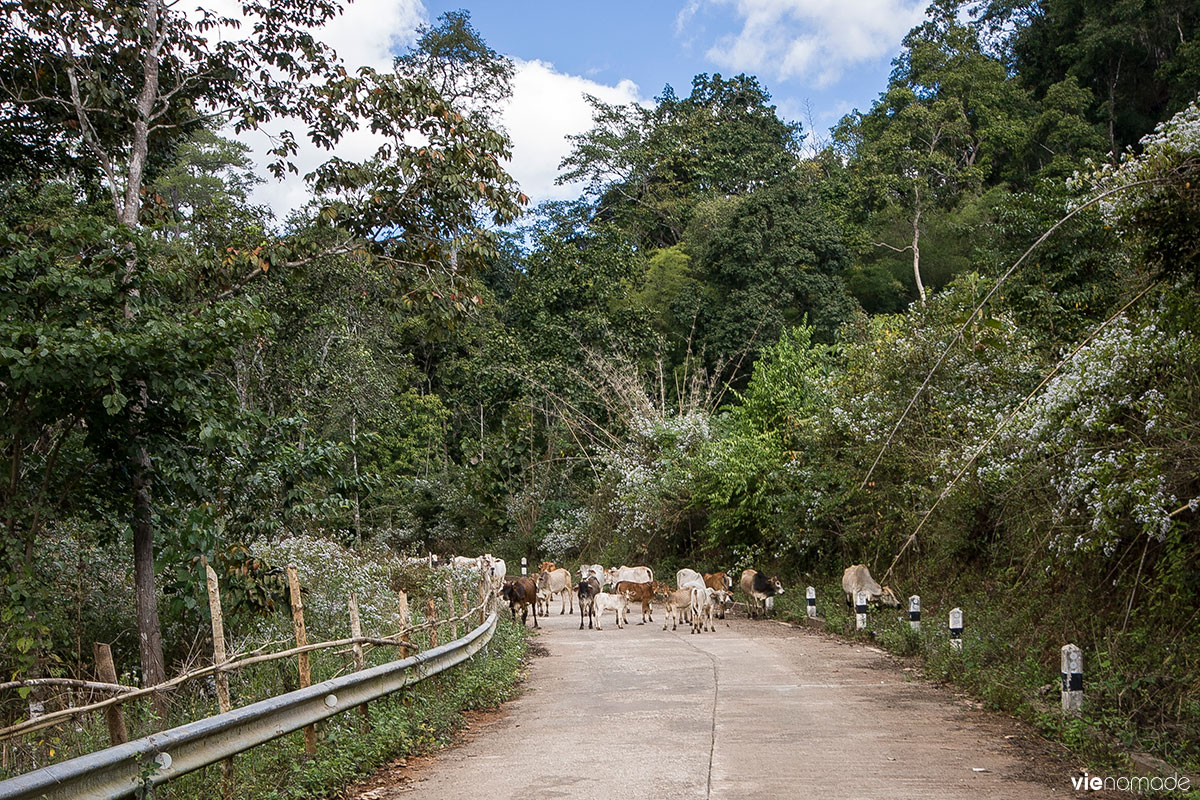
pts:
pixel 639 593
pixel 521 592
pixel 547 566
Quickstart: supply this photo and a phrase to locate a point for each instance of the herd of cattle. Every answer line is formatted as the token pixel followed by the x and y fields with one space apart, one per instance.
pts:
pixel 697 599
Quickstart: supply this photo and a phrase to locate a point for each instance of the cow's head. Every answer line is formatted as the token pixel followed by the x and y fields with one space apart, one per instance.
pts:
pixel 888 598
pixel 546 566
pixel 776 585
pixel 611 574
pixel 508 591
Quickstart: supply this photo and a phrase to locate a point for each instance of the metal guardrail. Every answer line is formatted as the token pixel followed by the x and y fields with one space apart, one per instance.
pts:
pixel 122 770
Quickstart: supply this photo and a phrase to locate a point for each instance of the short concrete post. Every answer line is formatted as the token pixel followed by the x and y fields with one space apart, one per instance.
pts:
pixel 433 560
pixel 811 595
pixel 860 610
pixel 956 628
pixel 914 612
pixel 523 570
pixel 1072 678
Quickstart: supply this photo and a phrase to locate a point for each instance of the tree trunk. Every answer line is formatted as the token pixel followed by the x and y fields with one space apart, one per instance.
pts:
pixel 145 591
pixel 916 244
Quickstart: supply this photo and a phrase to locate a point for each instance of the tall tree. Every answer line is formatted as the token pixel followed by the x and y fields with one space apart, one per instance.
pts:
pixel 118 86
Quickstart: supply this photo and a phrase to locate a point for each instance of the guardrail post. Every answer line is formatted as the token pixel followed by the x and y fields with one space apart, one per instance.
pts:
pixel 450 614
pixel 405 623
pixel 310 731
pixel 485 596
pixel 431 619
pixel 356 649
pixel 222 680
pixel 106 671
pixel 810 595
pixel 914 612
pixel 860 610
pixel 956 628
pixel 1072 678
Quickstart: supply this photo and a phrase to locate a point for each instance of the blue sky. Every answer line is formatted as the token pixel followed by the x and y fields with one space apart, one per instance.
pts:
pixel 669 41
pixel 819 59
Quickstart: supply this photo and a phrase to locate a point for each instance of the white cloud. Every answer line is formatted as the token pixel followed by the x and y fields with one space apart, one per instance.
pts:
pixel 546 107
pixel 814 40
pixel 368 33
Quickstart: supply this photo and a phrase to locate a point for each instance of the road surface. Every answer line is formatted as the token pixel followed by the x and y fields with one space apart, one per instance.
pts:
pixel 755 710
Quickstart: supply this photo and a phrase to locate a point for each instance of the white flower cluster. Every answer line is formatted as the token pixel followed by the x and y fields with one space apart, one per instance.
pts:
pixel 1096 430
pixel 565 532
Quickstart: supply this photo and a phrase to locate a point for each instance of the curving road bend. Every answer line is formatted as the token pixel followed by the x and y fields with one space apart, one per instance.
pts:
pixel 755 710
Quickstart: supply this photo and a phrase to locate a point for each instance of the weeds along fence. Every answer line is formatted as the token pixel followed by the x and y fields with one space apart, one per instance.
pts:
pixel 354 670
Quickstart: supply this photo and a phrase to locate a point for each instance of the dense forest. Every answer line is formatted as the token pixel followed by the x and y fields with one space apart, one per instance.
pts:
pixel 954 338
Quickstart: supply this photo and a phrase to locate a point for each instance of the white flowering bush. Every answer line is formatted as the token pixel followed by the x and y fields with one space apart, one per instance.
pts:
pixel 1105 436
pixel 1161 208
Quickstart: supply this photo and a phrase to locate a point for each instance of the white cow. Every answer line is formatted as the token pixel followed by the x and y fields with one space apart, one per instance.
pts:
pixel 597 569
pixel 555 582
pixel 686 577
pixel 632 574
pixel 494 568
pixel 611 602
pixel 857 578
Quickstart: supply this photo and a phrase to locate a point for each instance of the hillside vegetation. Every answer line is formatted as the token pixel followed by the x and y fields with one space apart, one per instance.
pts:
pixel 954 338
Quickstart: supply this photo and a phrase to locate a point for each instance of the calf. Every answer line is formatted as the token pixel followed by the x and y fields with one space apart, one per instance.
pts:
pixel 720 582
pixel 703 606
pixel 555 582
pixel 521 592
pixel 759 589
pixel 586 591
pixel 675 602
pixel 610 602
pixel 639 593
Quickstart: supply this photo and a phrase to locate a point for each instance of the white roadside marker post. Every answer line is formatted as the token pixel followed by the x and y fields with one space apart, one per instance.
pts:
pixel 811 594
pixel 522 568
pixel 860 610
pixel 914 612
pixel 1072 678
pixel 956 628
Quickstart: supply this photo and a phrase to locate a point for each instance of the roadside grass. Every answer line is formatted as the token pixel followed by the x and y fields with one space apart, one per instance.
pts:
pixel 419 719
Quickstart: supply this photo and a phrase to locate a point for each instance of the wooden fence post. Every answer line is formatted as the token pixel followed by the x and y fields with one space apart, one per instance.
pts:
pixel 405 622
pixel 310 731
pixel 219 658
pixel 431 620
pixel 485 596
pixel 450 613
pixel 357 648
pixel 106 671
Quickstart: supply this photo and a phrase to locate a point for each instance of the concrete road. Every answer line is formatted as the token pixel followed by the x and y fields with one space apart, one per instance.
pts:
pixel 754 710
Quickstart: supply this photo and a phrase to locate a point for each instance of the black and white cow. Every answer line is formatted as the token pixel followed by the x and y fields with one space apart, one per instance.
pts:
pixel 586 591
pixel 758 590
